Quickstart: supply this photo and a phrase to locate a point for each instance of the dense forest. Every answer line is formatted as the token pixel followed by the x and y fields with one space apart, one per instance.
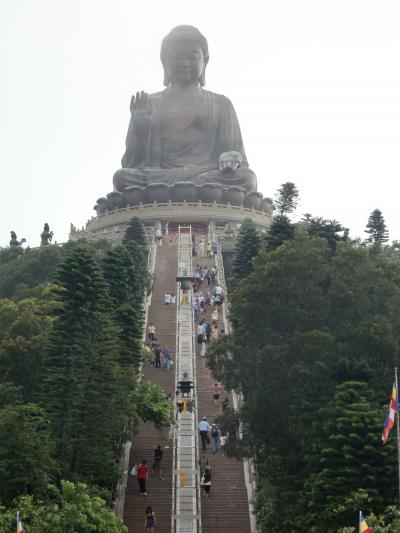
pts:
pixel 314 342
pixel 71 391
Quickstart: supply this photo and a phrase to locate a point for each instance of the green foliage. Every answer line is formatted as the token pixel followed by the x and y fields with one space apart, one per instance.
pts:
pixel 376 228
pixel 351 457
pixel 126 289
pixel 386 522
pixel 24 327
pixel 331 230
pixel 135 232
pixel 286 198
pixel 73 509
pixel 80 381
pixel 152 406
pixel 26 464
pixel 246 248
pixel 306 321
pixel 281 230
pixel 72 343
pixel 22 270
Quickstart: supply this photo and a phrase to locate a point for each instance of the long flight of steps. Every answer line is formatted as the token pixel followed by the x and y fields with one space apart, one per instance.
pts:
pixel 226 510
pixel 159 492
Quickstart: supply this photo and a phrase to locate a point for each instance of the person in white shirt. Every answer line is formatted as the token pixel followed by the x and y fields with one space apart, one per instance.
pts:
pixel 218 290
pixel 167 298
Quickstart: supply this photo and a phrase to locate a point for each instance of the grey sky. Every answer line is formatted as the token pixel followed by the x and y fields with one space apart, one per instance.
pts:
pixel 314 83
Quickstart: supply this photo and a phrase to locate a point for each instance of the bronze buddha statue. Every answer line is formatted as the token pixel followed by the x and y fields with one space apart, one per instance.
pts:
pixel 184 133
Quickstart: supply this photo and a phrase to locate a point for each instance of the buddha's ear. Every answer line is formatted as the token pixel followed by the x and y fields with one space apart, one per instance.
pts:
pixel 166 77
pixel 202 79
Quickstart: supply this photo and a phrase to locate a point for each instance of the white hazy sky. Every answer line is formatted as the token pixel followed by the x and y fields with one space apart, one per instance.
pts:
pixel 314 83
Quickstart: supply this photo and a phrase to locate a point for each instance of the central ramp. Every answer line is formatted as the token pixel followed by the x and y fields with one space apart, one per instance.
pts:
pixel 186 501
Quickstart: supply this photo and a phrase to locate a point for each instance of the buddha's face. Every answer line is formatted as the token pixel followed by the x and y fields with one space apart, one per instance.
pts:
pixel 184 63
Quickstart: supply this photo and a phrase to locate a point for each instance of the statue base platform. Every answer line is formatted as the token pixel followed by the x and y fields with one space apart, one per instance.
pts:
pixel 227 218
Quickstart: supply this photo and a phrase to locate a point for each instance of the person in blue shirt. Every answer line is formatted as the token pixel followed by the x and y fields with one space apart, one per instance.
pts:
pixel 204 429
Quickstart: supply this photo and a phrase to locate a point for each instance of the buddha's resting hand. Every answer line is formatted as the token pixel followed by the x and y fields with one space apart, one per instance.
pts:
pixel 229 161
pixel 141 116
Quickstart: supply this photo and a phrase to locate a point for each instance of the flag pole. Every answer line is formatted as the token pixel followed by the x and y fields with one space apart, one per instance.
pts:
pixel 359 521
pixel 398 427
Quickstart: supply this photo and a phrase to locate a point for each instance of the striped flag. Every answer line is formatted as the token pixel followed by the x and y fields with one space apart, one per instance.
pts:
pixel 20 525
pixel 391 413
pixel 364 526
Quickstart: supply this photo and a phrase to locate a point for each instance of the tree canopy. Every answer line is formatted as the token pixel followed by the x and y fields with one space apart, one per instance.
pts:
pixel 314 343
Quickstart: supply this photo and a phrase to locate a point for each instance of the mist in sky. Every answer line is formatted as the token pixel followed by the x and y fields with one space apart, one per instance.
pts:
pixel 316 87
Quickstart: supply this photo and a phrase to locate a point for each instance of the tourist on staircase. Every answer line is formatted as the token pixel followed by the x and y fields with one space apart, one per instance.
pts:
pixel 206 481
pixel 151 332
pixel 214 437
pixel 150 522
pixel 158 455
pixel 142 476
pixel 216 392
pixel 204 429
pixel 167 357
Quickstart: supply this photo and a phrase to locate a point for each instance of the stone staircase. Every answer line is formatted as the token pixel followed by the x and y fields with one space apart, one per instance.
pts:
pixel 159 492
pixel 226 511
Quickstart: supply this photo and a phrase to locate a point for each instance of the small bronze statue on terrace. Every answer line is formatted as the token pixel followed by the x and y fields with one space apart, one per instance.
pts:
pixel 14 241
pixel 46 236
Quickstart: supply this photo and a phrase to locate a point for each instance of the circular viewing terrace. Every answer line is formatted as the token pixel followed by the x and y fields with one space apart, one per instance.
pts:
pixel 112 224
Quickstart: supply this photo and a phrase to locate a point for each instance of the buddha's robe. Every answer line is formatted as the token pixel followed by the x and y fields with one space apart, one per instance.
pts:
pixel 187 148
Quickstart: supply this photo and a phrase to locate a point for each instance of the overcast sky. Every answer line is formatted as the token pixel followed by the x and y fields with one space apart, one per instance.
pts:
pixel 315 84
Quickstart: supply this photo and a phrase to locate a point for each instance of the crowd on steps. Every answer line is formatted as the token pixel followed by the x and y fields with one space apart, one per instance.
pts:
pixel 208 297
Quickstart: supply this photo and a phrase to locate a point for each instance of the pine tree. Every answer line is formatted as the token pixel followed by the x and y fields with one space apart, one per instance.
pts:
pixel 126 289
pixel 135 232
pixel 376 228
pixel 287 198
pixel 281 230
pixel 351 457
pixel 80 380
pixel 246 248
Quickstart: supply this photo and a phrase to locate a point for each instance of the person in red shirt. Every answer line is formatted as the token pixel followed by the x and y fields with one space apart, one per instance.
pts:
pixel 142 476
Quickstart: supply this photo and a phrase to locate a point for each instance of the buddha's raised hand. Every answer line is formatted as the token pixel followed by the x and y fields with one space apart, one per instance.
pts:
pixel 142 119
pixel 229 161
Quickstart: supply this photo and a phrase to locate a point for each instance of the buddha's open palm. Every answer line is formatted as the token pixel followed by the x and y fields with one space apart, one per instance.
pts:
pixel 142 119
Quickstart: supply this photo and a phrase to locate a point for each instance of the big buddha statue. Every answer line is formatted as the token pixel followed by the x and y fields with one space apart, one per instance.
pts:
pixel 184 133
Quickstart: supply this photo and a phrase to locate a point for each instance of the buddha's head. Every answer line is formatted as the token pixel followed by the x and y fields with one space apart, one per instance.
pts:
pixel 184 55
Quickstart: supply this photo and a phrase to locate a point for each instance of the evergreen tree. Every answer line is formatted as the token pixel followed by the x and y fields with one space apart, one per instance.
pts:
pixel 246 248
pixel 376 228
pixel 281 230
pixel 81 375
pixel 135 232
pixel 126 289
pixel 351 457
pixel 286 199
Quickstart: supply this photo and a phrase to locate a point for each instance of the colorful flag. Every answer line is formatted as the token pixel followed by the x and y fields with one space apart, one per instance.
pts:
pixel 364 526
pixel 20 525
pixel 391 413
